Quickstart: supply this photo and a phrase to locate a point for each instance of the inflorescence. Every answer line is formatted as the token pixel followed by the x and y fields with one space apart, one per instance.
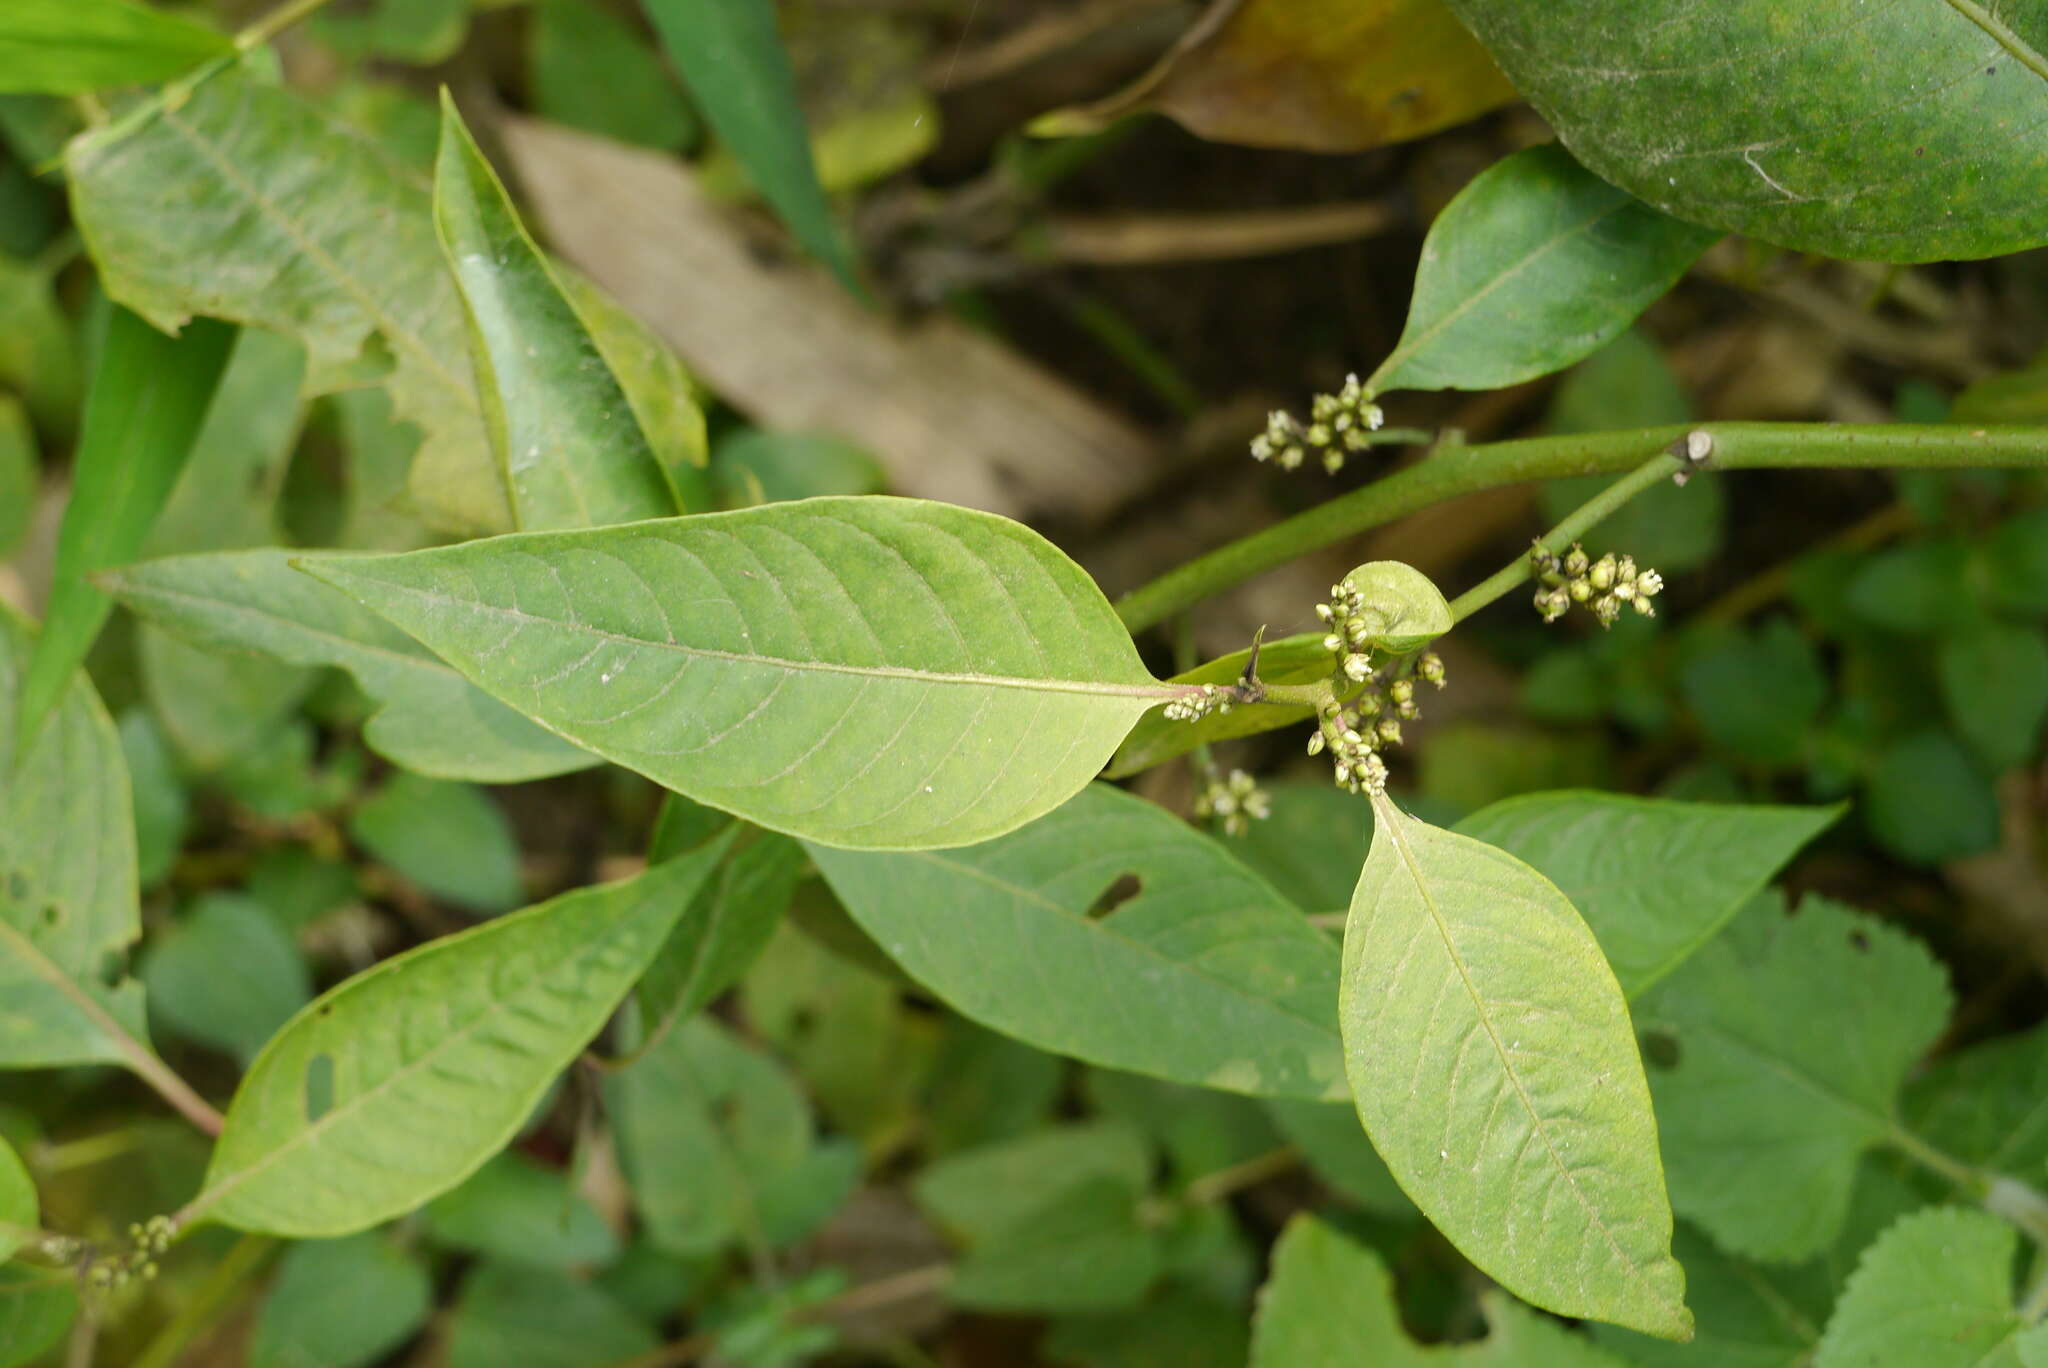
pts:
pixel 111 1272
pixel 1235 802
pixel 1338 423
pixel 1605 586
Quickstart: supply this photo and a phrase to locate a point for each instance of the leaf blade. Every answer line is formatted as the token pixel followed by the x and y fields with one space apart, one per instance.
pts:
pixel 1506 951
pixel 984 676
pixel 73 47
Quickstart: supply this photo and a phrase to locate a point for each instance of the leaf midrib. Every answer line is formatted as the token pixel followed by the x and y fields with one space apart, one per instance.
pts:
pixel 127 1046
pixel 1390 819
pixel 1152 693
pixel 2022 51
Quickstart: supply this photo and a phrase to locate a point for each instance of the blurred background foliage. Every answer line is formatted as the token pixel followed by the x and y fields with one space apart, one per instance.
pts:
pixel 1171 218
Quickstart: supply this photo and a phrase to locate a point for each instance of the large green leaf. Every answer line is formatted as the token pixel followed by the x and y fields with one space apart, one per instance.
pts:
pixel 1534 265
pixel 732 59
pixel 1489 1051
pixel 429 718
pixel 70 47
pixel 1655 879
pixel 227 975
pixel 867 672
pixel 402 1081
pixel 291 222
pixel 36 1308
pixel 19 1210
pixel 590 70
pixel 148 397
pixel 539 1318
pixel 340 1304
pixel 567 441
pixel 1987 1104
pixel 1892 132
pixel 1934 1291
pixel 1114 932
pixel 1778 1052
pixel 67 879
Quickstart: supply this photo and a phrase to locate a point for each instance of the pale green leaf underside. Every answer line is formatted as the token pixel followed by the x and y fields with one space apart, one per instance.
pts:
pixel 67 878
pixel 1204 975
pixel 1790 1037
pixel 429 719
pixel 1534 265
pixel 1907 130
pixel 1655 879
pixel 864 672
pixel 395 1086
pixel 1490 1054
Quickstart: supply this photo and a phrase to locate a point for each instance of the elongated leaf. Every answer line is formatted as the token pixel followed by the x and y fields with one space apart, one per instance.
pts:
pixel 341 1304
pixel 450 839
pixel 291 222
pixel 592 71
pixel 1489 1051
pixel 69 47
pixel 1655 879
pixel 402 1081
pixel 147 400
pixel 1534 265
pixel 568 444
pixel 513 1208
pixel 1325 76
pixel 430 719
pixel 227 495
pixel 1158 738
pixel 228 975
pixel 1833 135
pixel 731 58
pixel 1203 974
pixel 1935 1291
pixel 1779 1050
pixel 869 672
pixel 67 878
pixel 19 1210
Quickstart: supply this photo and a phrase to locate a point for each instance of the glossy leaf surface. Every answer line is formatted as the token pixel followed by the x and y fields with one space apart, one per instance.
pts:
pixel 1199 973
pixel 1490 1054
pixel 880 673
pixel 402 1081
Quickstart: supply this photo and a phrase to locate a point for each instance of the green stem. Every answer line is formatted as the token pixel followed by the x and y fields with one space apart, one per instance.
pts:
pixel 276 22
pixel 1457 470
pixel 1583 519
pixel 240 1264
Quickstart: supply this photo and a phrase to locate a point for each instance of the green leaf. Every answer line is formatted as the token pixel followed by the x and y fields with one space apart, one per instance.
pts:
pixel 1928 800
pixel 1050 1220
pixel 1757 694
pixel 162 807
pixel 1158 738
pixel 20 478
pixel 71 47
pixel 1988 1104
pixel 1200 1131
pixel 732 59
pixel 218 709
pixel 450 839
pixel 1113 932
pixel 1995 682
pixel 1534 265
pixel 1310 845
pixel 430 719
pixel 1340 1153
pixel 753 466
pixel 39 352
pixel 880 673
pixel 1832 136
pixel 708 1129
pixel 1403 611
pixel 340 1304
pixel 1489 1051
pixel 36 1308
pixel 148 397
pixel 1914 590
pixel 226 975
pixel 1748 1316
pixel 591 71
pixel 291 222
pixel 983 1087
pixel 227 494
pixel 19 1210
pixel 660 390
pixel 1179 1326
pixel 539 1318
pixel 1777 1055
pixel 2016 557
pixel 402 1081
pixel 67 879
pixel 419 32
pixel 514 1209
pixel 567 442
pixel 1934 1291
pixel 1654 879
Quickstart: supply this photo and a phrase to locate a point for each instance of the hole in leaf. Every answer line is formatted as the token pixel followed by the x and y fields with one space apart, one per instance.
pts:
pixel 113 968
pixel 1660 1049
pixel 319 1086
pixel 53 916
pixel 1126 887
pixel 1859 941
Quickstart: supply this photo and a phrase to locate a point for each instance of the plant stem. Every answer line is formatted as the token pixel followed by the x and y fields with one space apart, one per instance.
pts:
pixel 1453 471
pixel 1214 1187
pixel 1583 519
pixel 242 1261
pixel 276 22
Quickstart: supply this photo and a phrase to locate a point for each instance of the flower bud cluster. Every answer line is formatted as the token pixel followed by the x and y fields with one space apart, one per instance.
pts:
pixel 1235 802
pixel 1354 730
pixel 1606 586
pixel 112 1272
pixel 1194 706
pixel 1338 423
